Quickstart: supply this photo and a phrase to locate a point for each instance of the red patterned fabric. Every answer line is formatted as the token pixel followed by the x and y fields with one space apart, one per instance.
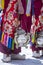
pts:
pixel 9 18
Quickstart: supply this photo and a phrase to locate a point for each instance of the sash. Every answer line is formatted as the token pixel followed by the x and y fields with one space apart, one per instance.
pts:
pixel 28 9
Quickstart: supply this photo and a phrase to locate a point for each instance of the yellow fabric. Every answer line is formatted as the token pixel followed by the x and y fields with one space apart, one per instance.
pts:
pixel 33 39
pixel 2 4
pixel 2 39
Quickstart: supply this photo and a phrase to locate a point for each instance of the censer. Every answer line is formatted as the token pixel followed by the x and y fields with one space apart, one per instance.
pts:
pixel 21 38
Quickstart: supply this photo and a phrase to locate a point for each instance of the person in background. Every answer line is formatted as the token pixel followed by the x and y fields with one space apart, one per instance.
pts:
pixel 36 23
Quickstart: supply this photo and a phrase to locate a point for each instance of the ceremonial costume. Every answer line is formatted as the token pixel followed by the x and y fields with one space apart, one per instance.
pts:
pixel 10 21
pixel 36 25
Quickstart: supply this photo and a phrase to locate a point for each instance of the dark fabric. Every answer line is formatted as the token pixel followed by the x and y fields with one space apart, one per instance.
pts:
pixel 37 7
pixel 25 21
pixel 34 48
pixel 6 4
pixel 5 50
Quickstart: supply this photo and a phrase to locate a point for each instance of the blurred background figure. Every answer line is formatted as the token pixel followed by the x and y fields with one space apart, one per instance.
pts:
pixel 37 10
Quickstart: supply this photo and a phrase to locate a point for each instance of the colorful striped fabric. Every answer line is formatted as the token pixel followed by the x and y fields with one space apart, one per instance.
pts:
pixel 7 41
